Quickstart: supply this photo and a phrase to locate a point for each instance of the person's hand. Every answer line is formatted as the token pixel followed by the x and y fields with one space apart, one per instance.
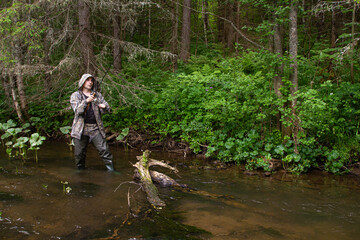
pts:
pixel 102 106
pixel 91 98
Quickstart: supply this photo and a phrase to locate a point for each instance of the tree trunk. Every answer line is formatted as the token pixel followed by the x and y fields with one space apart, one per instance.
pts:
pixel 143 166
pixel 185 32
pixel 21 88
pixel 278 50
pixel 221 22
pixel 18 56
pixel 175 21
pixel 237 35
pixel 117 39
pixel 19 77
pixel 47 44
pixel 205 18
pixel 333 36
pixel 293 49
pixel 86 45
pixel 195 24
pixel 230 30
pixel 333 28
pixel 149 27
pixel 7 90
pixel 14 98
pixel 174 34
pixel 352 43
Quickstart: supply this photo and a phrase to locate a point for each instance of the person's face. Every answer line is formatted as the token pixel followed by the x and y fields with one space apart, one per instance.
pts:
pixel 88 84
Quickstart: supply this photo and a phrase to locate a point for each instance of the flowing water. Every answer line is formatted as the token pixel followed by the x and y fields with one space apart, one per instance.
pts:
pixel 228 204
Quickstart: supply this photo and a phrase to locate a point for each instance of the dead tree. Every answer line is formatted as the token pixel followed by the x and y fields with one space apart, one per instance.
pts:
pixel 146 177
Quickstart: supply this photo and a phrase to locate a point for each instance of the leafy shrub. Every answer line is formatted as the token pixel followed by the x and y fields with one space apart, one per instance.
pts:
pixel 225 108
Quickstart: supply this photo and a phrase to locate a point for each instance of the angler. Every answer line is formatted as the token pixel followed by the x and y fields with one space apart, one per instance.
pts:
pixel 87 127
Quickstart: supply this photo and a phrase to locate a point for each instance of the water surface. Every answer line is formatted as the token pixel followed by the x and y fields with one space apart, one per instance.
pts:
pixel 228 204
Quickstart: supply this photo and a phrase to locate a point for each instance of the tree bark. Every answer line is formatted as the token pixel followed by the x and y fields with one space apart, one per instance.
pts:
pixel 186 31
pixel 293 49
pixel 230 30
pixel 47 44
pixel 333 28
pixel 237 35
pixel 20 88
pixel 175 21
pixel 18 56
pixel 149 27
pixel 221 22
pixel 352 42
pixel 117 52
pixel 19 79
pixel 86 45
pixel 14 98
pixel 333 35
pixel 278 50
pixel 6 87
pixel 205 17
pixel 143 170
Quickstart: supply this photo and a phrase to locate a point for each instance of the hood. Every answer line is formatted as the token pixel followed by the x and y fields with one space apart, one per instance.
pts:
pixel 83 79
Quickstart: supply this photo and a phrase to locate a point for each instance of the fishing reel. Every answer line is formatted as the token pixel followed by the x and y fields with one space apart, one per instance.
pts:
pixel 95 101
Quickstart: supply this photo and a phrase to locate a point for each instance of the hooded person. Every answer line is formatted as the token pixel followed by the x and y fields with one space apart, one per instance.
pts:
pixel 87 126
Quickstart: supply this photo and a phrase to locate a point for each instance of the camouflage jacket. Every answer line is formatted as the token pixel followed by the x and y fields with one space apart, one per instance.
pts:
pixel 79 104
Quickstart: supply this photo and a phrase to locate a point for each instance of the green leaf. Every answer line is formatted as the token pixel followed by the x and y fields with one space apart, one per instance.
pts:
pixel 123 134
pixel 65 130
pixel 125 131
pixel 280 149
pixel 268 147
pixel 229 143
pixel 36 140
pixel 20 142
pixel 5 135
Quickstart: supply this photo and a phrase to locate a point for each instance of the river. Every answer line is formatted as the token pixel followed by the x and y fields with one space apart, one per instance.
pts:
pixel 53 200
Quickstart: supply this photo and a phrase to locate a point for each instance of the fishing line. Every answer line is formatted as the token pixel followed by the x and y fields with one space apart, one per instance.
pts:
pixel 107 70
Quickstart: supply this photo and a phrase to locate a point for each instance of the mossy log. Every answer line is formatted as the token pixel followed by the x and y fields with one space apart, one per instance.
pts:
pixel 146 177
pixel 161 179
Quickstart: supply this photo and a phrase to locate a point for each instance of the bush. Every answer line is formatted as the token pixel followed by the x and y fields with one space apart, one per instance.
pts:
pixel 225 108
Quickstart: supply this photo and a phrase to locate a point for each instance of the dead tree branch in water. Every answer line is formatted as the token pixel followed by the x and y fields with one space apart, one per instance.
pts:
pixel 148 177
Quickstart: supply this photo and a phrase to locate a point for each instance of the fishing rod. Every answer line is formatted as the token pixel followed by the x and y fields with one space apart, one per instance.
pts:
pixel 98 83
pixel 107 70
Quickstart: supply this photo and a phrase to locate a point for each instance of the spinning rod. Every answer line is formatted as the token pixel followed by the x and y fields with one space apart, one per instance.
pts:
pixel 106 72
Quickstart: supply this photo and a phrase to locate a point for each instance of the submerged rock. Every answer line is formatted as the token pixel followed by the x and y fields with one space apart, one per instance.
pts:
pixel 4 196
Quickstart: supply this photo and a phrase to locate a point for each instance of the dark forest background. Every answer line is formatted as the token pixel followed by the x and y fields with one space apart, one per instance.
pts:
pixel 244 81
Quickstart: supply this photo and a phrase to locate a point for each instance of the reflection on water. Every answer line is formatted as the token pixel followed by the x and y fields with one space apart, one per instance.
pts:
pixel 228 204
pixel 273 209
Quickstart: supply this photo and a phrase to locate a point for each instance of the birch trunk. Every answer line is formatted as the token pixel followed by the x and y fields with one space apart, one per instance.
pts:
pixel 205 18
pixel 14 98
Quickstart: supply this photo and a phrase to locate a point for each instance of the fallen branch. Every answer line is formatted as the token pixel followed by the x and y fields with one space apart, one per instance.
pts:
pixel 151 191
